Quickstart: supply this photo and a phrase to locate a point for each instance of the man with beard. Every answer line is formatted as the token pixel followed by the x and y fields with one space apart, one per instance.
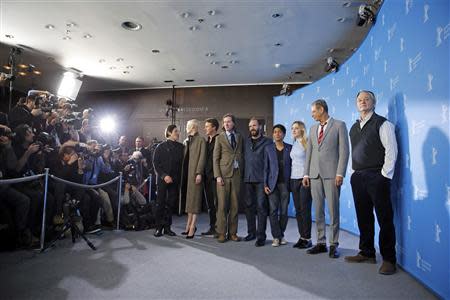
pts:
pixel 256 200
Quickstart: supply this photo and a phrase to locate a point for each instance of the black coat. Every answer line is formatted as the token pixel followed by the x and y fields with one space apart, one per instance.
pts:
pixel 168 160
pixel 20 114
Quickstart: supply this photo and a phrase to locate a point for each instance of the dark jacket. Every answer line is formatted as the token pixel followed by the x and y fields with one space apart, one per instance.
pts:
pixel 271 165
pixel 209 170
pixel 254 159
pixel 20 114
pixel 168 160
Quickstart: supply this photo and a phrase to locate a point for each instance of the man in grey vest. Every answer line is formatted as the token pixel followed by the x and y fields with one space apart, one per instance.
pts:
pixel 374 153
pixel 326 163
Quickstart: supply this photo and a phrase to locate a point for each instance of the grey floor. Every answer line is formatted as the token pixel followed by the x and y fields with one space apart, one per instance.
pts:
pixel 136 265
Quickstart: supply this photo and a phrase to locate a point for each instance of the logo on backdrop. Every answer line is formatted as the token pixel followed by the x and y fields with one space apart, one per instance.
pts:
pixel 448 198
pixel 419 194
pixel 409 223
pixel 340 92
pixel 333 80
pixel 354 81
pixel 430 82
pixel 437 231
pixel 421 263
pixel 417 126
pixel 444 113
pixel 413 62
pixel 318 89
pixel 402 44
pixel 366 69
pixel 442 34
pixel 347 70
pixel 391 32
pixel 385 66
pixel 426 8
pixel 394 81
pixel 434 153
pixel 373 81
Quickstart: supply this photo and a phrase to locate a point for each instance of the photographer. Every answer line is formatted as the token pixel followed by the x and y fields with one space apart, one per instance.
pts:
pixel 85 132
pixel 24 112
pixel 31 162
pixel 9 196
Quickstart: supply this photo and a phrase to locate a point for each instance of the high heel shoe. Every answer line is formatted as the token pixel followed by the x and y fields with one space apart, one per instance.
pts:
pixel 192 236
pixel 185 233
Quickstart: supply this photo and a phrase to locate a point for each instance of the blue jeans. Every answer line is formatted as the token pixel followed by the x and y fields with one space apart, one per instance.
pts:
pixel 256 207
pixel 278 203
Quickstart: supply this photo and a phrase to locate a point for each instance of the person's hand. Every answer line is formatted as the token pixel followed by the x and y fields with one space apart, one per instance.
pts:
pixel 168 179
pixel 220 181
pixel 127 168
pixel 267 190
pixel 73 158
pixel 305 181
pixel 127 187
pixel 33 148
pixel 198 179
pixel 80 163
pixel 339 180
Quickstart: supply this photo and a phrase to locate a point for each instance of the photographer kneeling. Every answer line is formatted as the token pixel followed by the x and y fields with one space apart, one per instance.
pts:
pixel 135 173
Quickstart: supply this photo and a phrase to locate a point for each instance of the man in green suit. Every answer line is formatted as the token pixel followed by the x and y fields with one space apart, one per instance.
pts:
pixel 228 164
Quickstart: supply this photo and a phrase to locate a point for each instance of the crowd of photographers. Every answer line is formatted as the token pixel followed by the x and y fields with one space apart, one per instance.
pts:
pixel 43 131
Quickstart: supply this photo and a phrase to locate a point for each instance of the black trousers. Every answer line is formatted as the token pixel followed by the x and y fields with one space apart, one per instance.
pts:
pixel 211 200
pixel 302 203
pixel 166 201
pixel 19 203
pixel 372 190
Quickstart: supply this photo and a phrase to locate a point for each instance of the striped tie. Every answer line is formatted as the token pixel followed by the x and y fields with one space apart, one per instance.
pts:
pixel 321 132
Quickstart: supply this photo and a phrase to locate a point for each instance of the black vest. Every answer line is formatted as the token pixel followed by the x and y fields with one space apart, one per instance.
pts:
pixel 367 150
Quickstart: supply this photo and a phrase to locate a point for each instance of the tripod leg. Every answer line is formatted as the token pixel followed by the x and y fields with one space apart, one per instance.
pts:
pixel 66 227
pixel 88 242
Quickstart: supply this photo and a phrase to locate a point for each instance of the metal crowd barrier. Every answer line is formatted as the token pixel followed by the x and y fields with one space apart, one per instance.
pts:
pixel 79 185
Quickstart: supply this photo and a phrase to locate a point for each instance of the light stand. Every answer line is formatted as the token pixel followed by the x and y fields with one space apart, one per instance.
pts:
pixel 12 63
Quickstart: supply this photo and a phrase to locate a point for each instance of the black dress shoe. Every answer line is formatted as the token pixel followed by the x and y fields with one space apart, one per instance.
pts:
pixel 319 248
pixel 334 253
pixel 210 232
pixel 158 233
pixel 260 243
pixel 169 232
pixel 297 245
pixel 250 237
pixel 305 244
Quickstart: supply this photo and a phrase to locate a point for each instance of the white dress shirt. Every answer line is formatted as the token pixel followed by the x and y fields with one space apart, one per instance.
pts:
pixel 387 137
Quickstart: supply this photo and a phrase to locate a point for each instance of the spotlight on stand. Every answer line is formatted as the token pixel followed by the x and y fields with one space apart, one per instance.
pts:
pixel 70 84
pixel 366 15
pixel 332 65
pixel 286 90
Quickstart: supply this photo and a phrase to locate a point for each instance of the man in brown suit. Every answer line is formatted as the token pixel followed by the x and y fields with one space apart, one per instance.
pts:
pixel 228 169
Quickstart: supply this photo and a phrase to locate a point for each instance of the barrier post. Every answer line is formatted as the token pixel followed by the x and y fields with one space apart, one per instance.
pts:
pixel 44 210
pixel 149 188
pixel 118 200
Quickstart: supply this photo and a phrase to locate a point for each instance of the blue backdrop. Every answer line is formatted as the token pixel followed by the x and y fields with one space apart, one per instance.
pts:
pixel 405 61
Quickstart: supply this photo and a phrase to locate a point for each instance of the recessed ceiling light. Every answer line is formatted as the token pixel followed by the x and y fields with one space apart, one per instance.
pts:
pixel 37 72
pixel 218 26
pixel 277 65
pixel 230 53
pixel 102 60
pixel 112 68
pixel 71 24
pixel 168 81
pixel 9 36
pixel 193 28
pixel 50 26
pixel 224 67
pixel 212 12
pixel 277 15
pixel 120 59
pixel 22 73
pixel 173 69
pixel 22 66
pixel 87 36
pixel 7 67
pixel 214 62
pixel 331 50
pixel 298 72
pixel 126 72
pixel 66 38
pixel 185 15
pixel 190 80
pixel 341 20
pixel 346 3
pixel 155 51
pixel 209 54
pixel 201 20
pixel 133 26
pixel 233 62
pixel 130 67
pixel 278 44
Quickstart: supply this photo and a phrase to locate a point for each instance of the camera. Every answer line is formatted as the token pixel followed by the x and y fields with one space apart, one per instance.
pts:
pixel 44 139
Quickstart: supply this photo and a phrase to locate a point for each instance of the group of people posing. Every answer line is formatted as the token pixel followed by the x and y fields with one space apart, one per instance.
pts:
pixel 312 168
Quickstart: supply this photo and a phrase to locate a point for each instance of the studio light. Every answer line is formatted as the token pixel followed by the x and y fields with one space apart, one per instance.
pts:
pixel 366 15
pixel 332 65
pixel 107 125
pixel 69 86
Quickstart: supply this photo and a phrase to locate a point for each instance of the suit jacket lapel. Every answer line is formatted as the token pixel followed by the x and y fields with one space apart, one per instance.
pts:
pixel 227 142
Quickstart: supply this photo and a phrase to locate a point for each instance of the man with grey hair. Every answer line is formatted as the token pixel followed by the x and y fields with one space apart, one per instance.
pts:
pixel 374 153
pixel 325 166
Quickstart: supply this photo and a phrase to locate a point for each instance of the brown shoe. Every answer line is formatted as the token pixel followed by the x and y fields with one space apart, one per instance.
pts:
pixel 387 268
pixel 359 258
pixel 221 238
pixel 235 238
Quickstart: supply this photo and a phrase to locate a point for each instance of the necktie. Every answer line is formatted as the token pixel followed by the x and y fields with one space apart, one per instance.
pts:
pixel 321 133
pixel 233 141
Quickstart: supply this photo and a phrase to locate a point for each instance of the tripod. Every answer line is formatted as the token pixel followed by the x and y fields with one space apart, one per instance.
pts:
pixel 71 225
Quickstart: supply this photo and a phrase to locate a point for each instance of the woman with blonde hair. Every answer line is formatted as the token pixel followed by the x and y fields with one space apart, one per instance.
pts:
pixel 193 170
pixel 300 193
